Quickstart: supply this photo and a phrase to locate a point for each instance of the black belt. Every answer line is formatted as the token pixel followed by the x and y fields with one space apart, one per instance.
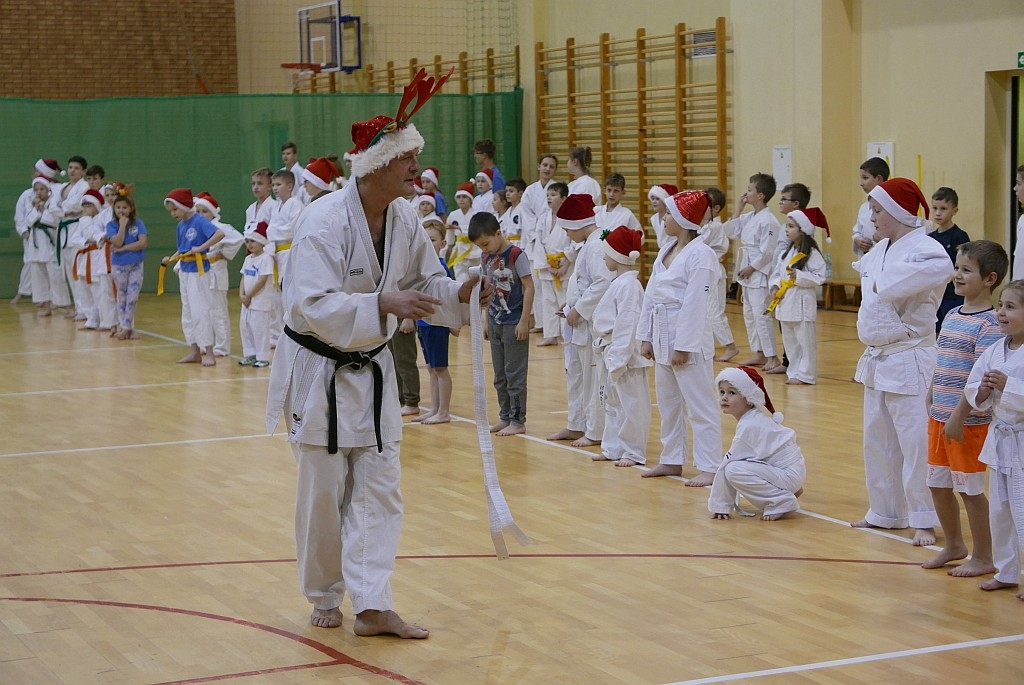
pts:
pixel 354 361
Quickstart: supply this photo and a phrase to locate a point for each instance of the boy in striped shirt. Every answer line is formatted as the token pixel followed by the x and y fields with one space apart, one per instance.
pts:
pixel 955 433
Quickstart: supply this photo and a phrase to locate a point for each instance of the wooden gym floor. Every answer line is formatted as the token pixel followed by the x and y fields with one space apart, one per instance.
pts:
pixel 146 538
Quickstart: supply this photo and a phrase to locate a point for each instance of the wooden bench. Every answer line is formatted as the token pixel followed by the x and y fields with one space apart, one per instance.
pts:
pixel 836 297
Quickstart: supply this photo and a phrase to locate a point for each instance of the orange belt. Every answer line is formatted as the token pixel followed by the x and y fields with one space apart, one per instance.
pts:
pixel 84 252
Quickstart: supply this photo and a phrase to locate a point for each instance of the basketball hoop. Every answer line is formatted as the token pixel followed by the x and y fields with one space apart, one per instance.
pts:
pixel 303 67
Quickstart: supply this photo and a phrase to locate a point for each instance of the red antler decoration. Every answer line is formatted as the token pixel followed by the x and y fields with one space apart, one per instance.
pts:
pixel 419 90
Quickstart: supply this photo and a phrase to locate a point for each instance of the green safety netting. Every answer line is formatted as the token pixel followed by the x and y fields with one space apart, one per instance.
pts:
pixel 214 142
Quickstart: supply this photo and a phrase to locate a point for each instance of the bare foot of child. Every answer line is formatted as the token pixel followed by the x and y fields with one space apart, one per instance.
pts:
pixel 130 334
pixel 87 328
pixel 326 618
pixel 862 524
pixel 190 358
pixel 114 330
pixel 795 381
pixel 972 568
pixel 437 418
pixel 209 360
pixel 585 442
pixel 45 311
pixel 372 622
pixel 70 315
pixel 701 480
pixel 409 410
pixel 759 360
pixel 625 461
pixel 600 457
pixel 501 425
pixel 422 418
pixel 565 434
pixel 924 537
pixel 547 342
pixel 511 429
pixel 729 352
pixel 773 517
pixel 721 517
pixel 993 584
pixel 951 553
pixel 774 368
pixel 663 470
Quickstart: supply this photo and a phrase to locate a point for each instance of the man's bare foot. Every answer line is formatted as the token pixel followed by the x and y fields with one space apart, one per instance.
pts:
pixel 209 360
pixel 326 618
pixel 409 410
pixel 190 358
pixel 501 425
pixel 924 537
pixel 951 553
pixel 547 342
pixel 795 381
pixel 439 417
pixel 701 480
pixel 565 434
pixel 511 429
pixel 626 461
pixel 663 470
pixel 993 584
pixel 972 568
pixel 759 360
pixel 372 622
pixel 727 354
pixel 584 441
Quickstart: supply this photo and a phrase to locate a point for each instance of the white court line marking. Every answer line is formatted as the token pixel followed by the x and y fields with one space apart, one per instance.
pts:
pixel 142 386
pixel 175 341
pixel 73 351
pixel 102 448
pixel 853 660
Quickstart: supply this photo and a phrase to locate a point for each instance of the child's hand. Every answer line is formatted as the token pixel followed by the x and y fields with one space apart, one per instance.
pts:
pixel 772 290
pixel 165 260
pixel 522 330
pixel 455 331
pixel 573 317
pixel 407 326
pixel 646 350
pixel 954 430
pixel 745 272
pixel 679 358
pixel 246 300
pixel 122 221
pixel 994 380
pixel 863 244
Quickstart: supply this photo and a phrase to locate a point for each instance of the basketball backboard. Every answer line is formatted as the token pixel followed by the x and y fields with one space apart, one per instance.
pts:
pixel 329 38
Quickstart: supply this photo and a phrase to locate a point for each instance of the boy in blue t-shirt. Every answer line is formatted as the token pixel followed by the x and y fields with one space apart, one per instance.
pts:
pixel 196 234
pixel 509 331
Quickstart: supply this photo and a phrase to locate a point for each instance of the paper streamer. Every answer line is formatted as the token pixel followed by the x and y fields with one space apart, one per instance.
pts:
pixel 498 514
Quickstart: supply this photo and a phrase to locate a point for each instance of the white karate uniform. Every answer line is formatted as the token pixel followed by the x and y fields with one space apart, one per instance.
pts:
pixel 622 370
pixel 349 505
pixel 675 317
pixel 764 464
pixel 535 199
pixel 863 228
pixel 610 219
pixel 549 238
pixel 102 287
pixel 587 285
pixel 1003 451
pixel 86 265
pixel 758 232
pixel 901 285
pixel 484 203
pixel 299 191
pixel 48 284
pixel 21 209
pixel 457 238
pixel 586 184
pixel 658 225
pixel 1018 252
pixel 220 254
pixel 70 196
pixel 254 320
pixel 798 312
pixel 713 235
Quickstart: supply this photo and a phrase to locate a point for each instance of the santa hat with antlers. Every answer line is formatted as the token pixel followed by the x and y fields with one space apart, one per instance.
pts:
pixel 382 138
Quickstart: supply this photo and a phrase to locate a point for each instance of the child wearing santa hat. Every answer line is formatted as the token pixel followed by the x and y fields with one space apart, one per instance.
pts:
pixel 903 278
pixel 462 255
pixel 713 235
pixel 550 256
pixel 484 199
pixel 318 177
pixel 675 332
pixel 256 291
pixel 196 235
pixel 587 285
pixel 657 196
pixel 220 254
pixel 764 464
pixel 90 261
pixel 799 271
pixel 430 178
pixel 621 369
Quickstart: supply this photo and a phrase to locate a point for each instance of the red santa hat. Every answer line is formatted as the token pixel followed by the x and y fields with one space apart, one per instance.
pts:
pixel 901 197
pixel 748 382
pixel 41 180
pixel 320 171
pixel 576 212
pixel 688 208
pixel 622 244
pixel 485 175
pixel 49 169
pixel 94 197
pixel 382 138
pixel 466 189
pixel 430 174
pixel 180 198
pixel 809 218
pixel 662 191
pixel 417 185
pixel 259 234
pixel 204 199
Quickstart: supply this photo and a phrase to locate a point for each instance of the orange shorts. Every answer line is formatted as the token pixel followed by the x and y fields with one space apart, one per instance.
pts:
pixel 953 464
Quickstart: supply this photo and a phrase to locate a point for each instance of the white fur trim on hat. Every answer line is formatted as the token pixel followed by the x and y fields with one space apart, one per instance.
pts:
pixel 390 146
pixel 258 237
pixel 657 192
pixel 683 222
pixel 203 202
pixel 628 260
pixel 739 379
pixel 575 224
pixel 464 192
pixel 429 175
pixel 899 213
pixel 311 178
pixel 802 221
pixel 425 197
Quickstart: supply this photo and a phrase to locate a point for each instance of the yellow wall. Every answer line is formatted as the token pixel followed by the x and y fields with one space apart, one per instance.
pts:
pixel 824 77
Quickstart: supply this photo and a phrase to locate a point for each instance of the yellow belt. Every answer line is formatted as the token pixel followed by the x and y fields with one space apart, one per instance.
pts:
pixel 188 257
pixel 786 284
pixel 555 261
pixel 279 247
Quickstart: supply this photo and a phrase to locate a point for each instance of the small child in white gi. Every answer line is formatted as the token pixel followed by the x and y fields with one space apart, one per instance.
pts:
pixel 997 382
pixel 621 368
pixel 256 291
pixel 764 464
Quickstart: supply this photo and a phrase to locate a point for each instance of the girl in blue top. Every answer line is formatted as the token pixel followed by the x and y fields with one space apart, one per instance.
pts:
pixel 127 237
